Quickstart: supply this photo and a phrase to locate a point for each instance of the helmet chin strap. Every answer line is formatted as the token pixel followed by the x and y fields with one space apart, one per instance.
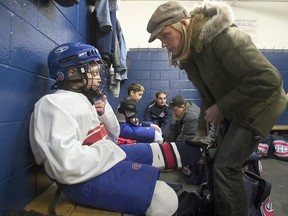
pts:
pixel 91 94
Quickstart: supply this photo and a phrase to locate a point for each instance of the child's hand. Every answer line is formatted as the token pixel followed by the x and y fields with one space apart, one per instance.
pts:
pixel 100 105
pixel 156 127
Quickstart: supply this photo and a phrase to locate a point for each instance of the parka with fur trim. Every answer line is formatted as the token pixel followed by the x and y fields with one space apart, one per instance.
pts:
pixel 229 70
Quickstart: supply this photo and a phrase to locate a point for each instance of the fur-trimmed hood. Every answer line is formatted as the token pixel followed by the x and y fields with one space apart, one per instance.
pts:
pixel 208 20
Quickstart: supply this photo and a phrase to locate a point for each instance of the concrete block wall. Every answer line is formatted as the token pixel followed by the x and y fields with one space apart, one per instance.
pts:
pixel 28 31
pixel 150 67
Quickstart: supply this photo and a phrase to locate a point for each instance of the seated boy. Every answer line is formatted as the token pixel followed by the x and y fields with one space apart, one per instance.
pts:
pixel 131 127
pixel 73 133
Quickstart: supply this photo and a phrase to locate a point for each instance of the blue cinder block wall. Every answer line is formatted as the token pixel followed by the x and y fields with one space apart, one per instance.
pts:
pixel 28 31
pixel 150 67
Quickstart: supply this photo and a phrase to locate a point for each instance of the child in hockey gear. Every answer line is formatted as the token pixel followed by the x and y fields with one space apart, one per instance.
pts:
pixel 131 127
pixel 73 133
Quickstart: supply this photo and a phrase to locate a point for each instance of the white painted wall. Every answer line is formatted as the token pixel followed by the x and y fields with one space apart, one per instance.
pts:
pixel 268 22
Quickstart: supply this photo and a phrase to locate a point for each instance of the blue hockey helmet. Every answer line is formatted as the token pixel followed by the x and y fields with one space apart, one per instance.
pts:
pixel 70 54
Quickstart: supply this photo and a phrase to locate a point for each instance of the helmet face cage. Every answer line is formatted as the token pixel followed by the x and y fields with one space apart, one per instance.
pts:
pixel 77 55
pixel 104 76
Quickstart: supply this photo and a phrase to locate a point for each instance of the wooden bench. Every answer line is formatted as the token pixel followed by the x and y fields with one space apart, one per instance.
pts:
pixel 280 128
pixel 63 206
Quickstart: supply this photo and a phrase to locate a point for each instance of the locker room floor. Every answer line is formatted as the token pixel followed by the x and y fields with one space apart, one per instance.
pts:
pixel 275 171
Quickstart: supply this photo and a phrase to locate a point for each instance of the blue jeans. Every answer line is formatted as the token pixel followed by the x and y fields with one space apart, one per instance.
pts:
pixel 236 143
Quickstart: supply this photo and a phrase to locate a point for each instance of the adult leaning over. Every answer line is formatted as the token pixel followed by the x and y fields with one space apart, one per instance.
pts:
pixel 240 89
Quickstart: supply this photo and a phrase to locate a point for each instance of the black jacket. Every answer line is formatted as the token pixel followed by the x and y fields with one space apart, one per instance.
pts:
pixel 162 116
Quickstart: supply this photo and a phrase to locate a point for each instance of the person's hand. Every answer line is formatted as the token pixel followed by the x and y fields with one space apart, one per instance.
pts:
pixel 100 105
pixel 200 134
pixel 156 127
pixel 213 115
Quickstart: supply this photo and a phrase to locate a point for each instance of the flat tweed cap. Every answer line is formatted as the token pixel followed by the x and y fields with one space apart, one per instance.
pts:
pixel 166 14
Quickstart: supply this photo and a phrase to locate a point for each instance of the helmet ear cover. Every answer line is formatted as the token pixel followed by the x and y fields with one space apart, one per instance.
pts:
pixel 65 81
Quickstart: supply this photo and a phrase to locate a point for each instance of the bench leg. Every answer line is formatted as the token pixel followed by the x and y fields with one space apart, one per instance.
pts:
pixel 52 204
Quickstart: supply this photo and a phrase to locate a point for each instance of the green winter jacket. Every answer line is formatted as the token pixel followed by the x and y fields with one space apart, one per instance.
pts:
pixel 185 127
pixel 230 71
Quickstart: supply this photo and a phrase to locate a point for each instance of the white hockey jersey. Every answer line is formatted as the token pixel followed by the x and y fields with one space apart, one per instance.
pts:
pixel 71 140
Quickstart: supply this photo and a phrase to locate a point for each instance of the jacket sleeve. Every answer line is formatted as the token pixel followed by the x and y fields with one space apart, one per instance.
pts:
pixel 111 123
pixel 194 76
pixel 258 78
pixel 173 132
pixel 147 115
pixel 189 127
pixel 58 136
pixel 168 122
